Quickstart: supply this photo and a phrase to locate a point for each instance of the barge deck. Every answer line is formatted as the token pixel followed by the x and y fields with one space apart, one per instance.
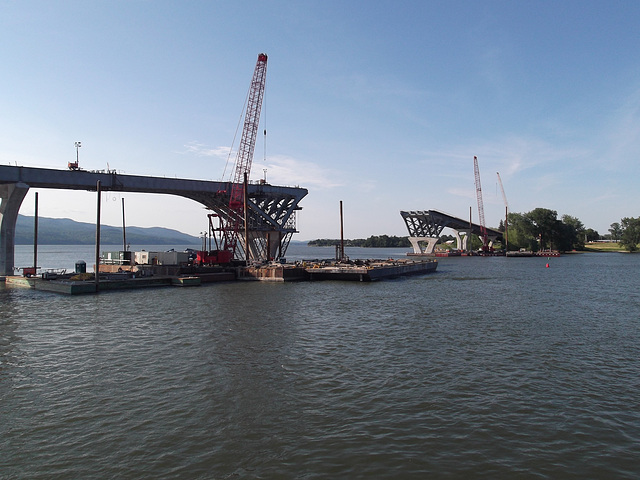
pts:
pixel 372 270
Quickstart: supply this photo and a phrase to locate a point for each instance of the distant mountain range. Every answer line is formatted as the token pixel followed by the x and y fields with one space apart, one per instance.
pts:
pixel 64 231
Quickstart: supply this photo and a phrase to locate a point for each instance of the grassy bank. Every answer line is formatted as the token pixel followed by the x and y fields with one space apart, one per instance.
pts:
pixel 604 247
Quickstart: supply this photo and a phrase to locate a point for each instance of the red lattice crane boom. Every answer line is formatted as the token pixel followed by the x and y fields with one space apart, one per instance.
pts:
pixel 483 228
pixel 245 155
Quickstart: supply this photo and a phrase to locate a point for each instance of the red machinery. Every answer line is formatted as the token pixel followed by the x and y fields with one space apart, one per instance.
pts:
pixel 211 257
pixel 215 256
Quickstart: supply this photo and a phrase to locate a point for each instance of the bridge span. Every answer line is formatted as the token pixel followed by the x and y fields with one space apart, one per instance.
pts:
pixel 271 209
pixel 425 227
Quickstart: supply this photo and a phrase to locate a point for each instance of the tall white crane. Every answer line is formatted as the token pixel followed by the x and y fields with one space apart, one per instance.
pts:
pixel 483 227
pixel 506 212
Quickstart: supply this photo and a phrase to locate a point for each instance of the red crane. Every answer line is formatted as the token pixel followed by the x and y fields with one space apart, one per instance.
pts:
pixel 483 228
pixel 249 132
pixel 230 227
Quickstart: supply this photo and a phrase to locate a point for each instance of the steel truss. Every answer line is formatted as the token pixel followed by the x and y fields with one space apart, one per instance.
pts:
pixel 271 220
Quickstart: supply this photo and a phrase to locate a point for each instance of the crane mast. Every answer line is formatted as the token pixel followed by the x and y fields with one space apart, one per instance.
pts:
pixel 504 197
pixel 245 156
pixel 483 228
pixel 506 212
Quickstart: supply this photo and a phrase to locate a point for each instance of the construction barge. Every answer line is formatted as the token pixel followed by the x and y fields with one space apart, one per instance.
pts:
pixel 122 277
pixel 371 270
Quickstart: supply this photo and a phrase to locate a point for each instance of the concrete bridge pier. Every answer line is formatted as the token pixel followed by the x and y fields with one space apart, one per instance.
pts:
pixel 11 197
pixel 263 245
pixel 461 241
pixel 428 250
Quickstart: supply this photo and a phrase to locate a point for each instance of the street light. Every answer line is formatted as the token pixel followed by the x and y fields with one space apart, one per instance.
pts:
pixel 78 145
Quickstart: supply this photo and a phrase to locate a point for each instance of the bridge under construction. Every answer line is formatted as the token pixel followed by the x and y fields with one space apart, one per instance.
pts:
pixel 270 214
pixel 425 227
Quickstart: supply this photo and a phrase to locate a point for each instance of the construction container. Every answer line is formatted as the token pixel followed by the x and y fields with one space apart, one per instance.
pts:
pixel 116 258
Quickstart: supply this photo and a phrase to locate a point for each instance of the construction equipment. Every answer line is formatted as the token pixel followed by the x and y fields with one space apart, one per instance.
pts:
pixel 504 197
pixel 210 256
pixel 506 213
pixel 483 228
pixel 235 215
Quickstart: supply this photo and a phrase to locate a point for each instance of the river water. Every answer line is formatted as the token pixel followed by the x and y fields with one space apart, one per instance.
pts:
pixel 488 368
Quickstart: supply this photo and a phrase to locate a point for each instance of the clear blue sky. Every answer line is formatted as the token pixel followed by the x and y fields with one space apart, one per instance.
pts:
pixel 380 104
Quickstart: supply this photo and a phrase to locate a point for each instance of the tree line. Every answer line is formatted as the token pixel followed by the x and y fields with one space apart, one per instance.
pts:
pixel 627 232
pixel 374 241
pixel 541 229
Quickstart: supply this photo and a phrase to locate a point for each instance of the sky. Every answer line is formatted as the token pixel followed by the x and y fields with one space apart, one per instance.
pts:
pixel 379 104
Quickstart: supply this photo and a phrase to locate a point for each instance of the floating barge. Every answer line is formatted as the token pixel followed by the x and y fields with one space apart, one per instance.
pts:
pixel 74 284
pixel 529 253
pixel 75 287
pixel 371 270
pixel 441 253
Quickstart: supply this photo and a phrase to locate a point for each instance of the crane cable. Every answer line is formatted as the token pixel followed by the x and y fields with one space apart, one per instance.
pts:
pixel 264 119
pixel 235 135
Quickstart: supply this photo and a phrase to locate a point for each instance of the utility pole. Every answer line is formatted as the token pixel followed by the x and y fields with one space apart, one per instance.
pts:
pixel 35 237
pixel 341 234
pixel 124 230
pixel 97 269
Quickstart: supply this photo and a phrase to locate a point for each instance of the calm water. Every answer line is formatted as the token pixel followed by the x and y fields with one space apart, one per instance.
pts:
pixel 489 368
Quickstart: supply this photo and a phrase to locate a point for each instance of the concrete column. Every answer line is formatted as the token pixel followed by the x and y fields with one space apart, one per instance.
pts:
pixel 273 245
pixel 431 244
pixel 11 196
pixel 459 244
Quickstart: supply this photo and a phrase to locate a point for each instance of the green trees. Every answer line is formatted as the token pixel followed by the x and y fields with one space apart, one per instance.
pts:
pixel 616 231
pixel 571 234
pixel 591 235
pixel 541 229
pixel 544 222
pixel 521 232
pixel 630 233
pixel 627 232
